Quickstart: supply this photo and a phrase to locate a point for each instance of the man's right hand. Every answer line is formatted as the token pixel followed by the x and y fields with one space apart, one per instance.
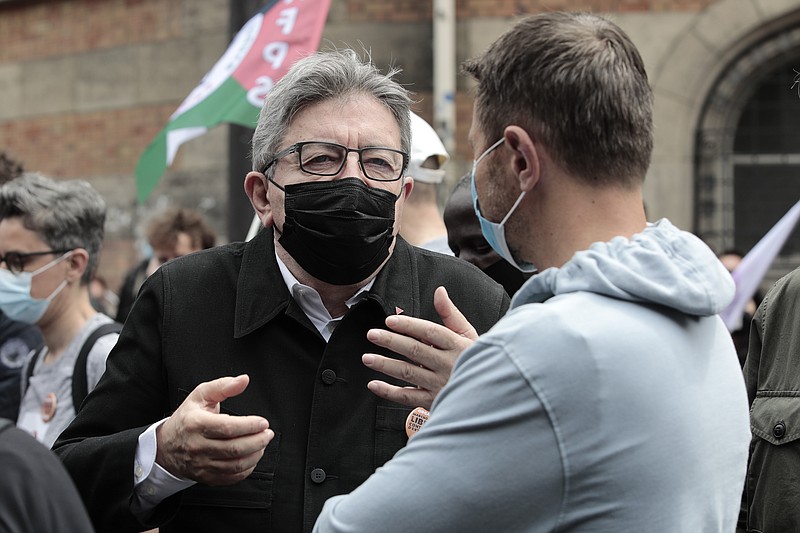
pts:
pixel 199 443
pixel 433 349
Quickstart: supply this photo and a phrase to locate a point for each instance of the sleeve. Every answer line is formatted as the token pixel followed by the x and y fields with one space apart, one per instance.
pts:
pixel 750 370
pixel 488 441
pixel 753 359
pixel 153 483
pixel 99 446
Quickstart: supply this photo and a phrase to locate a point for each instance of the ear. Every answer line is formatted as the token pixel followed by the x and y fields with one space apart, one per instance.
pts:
pixel 525 162
pixel 256 186
pixel 77 262
pixel 408 186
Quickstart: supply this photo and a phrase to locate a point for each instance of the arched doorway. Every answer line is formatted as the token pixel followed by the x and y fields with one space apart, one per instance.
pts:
pixel 747 168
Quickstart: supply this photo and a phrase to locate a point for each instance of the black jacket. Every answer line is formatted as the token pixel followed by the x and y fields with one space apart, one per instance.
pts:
pixel 227 311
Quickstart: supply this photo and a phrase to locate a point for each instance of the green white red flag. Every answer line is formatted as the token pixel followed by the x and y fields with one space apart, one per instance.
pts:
pixel 234 89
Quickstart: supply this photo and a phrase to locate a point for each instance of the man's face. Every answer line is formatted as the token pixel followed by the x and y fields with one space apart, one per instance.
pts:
pixel 357 121
pixel 493 182
pixel 498 187
pixel 464 234
pixel 15 237
pixel 730 261
pixel 183 246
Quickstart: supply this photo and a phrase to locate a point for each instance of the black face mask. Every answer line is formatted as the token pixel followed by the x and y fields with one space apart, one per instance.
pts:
pixel 338 231
pixel 507 275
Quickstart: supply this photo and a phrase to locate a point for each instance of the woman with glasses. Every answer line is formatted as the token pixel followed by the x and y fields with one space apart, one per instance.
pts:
pixel 50 237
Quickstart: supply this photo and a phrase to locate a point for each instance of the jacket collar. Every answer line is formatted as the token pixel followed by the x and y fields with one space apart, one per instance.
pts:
pixel 396 287
pixel 261 293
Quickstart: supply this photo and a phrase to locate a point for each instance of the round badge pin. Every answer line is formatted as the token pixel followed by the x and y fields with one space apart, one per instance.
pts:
pixel 49 406
pixel 415 420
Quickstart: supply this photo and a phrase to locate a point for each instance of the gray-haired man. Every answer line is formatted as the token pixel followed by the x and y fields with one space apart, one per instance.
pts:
pixel 252 351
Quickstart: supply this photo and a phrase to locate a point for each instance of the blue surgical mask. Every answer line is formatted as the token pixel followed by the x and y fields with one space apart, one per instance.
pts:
pixel 494 232
pixel 15 294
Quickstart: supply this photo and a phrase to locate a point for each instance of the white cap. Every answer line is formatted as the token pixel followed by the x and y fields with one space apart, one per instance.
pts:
pixel 425 144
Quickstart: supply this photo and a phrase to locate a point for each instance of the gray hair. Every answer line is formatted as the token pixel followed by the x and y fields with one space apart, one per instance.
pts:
pixel 577 84
pixel 66 214
pixel 318 77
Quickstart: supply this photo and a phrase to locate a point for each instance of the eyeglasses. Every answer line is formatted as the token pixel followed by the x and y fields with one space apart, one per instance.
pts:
pixel 328 159
pixel 15 261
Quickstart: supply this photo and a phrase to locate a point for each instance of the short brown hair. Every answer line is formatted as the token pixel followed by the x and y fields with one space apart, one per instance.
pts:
pixel 578 85
pixel 164 227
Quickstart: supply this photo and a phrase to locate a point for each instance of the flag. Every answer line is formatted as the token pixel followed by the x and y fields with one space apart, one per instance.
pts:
pixel 234 89
pixel 753 267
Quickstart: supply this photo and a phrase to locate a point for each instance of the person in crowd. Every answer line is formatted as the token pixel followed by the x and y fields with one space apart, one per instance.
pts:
pixel 37 494
pixel 422 219
pixel 236 395
pixel 172 232
pixel 465 239
pixel 50 238
pixel 103 299
pixel 741 337
pixel 610 397
pixel 17 339
pixel 772 378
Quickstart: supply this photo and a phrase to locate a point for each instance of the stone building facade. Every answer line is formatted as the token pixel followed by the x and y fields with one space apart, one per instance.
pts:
pixel 86 84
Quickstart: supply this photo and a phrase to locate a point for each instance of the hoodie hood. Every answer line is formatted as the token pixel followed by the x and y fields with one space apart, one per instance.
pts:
pixel 661 265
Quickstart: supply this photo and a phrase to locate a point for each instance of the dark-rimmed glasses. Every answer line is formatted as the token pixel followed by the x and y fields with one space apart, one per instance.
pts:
pixel 15 261
pixel 328 159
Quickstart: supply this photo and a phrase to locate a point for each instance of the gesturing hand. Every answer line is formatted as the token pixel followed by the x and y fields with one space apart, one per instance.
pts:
pixel 432 347
pixel 199 443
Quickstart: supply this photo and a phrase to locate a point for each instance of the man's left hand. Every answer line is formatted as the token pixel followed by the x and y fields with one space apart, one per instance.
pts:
pixel 434 349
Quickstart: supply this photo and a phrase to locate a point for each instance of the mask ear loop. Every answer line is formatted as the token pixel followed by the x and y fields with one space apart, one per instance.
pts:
pixel 55 292
pixel 513 208
pixel 275 183
pixel 48 265
pixel 51 263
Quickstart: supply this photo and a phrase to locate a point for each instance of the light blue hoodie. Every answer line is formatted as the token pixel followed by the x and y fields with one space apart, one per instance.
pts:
pixel 609 398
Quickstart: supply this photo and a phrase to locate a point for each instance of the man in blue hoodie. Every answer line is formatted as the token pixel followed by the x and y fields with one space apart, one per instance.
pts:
pixel 610 397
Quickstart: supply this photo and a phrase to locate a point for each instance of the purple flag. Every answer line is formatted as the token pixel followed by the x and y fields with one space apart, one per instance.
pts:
pixel 749 273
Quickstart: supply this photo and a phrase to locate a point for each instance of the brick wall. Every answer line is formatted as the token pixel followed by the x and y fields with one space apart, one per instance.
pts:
pixel 511 8
pixel 421 10
pixel 68 114
pixel 33 30
pixel 70 145
pixel 389 10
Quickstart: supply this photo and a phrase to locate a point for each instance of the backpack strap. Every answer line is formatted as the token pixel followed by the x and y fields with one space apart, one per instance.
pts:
pixel 5 423
pixel 31 366
pixel 80 380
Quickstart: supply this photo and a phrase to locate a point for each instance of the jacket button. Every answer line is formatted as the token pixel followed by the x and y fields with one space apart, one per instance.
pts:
pixel 779 430
pixel 318 475
pixel 328 376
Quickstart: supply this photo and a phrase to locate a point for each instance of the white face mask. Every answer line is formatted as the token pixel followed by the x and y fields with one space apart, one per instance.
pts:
pixel 494 232
pixel 15 294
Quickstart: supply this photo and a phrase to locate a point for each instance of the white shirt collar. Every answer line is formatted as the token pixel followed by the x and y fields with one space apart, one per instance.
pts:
pixel 310 301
